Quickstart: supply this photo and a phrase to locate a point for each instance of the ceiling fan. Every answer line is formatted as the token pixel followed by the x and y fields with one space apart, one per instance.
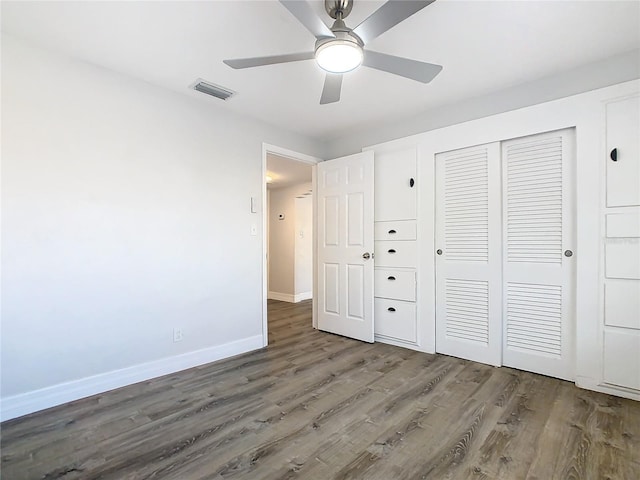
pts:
pixel 340 49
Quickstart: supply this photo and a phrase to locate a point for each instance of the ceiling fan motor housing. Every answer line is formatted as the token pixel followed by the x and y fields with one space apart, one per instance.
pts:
pixel 338 8
pixel 341 32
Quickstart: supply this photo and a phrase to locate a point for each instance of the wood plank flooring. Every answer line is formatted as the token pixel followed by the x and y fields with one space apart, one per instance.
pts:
pixel 319 406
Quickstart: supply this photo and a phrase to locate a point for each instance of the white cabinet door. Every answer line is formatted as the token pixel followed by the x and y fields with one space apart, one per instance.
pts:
pixel 345 238
pixel 623 151
pixel 538 246
pixel 622 358
pixel 395 187
pixel 468 263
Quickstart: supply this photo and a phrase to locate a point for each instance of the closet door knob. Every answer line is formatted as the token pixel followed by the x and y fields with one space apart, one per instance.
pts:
pixel 568 253
pixel 366 255
pixel 439 252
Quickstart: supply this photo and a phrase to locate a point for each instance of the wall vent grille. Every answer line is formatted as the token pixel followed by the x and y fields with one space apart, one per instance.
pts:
pixel 213 90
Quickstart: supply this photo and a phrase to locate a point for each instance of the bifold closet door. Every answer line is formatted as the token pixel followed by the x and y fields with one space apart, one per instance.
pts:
pixel 468 263
pixel 538 253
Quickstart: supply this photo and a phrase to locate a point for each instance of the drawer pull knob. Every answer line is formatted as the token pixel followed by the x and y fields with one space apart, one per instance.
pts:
pixel 391 277
pixel 392 250
pixel 391 232
pixel 412 182
pixel 614 154
pixel 391 309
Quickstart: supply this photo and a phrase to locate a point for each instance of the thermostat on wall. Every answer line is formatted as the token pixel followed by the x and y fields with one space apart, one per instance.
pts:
pixel 281 216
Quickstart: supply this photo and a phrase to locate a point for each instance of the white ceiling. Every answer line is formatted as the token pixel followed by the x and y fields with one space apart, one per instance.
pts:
pixel 484 46
pixel 286 172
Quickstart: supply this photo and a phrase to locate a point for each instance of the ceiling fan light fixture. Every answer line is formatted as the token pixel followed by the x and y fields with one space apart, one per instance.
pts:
pixel 339 56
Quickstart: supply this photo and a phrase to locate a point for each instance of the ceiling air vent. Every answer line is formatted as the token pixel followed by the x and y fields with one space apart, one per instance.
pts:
pixel 213 90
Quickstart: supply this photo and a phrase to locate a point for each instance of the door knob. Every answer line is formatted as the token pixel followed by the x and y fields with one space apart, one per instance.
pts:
pixel 568 253
pixel 439 252
pixel 366 255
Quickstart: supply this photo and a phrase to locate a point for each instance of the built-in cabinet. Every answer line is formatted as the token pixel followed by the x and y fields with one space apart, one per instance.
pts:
pixel 536 261
pixel 396 247
pixel 621 252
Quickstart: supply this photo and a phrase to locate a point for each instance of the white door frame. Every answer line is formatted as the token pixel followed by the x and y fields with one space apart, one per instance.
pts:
pixel 298 157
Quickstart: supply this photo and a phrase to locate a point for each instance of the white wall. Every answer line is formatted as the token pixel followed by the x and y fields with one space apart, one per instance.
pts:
pixel 282 242
pixel 303 247
pixel 125 213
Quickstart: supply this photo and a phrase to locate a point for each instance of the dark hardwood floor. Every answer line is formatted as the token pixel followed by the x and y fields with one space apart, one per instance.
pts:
pixel 318 406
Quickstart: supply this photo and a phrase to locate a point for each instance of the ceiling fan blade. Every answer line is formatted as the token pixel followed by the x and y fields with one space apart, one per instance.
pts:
pixel 307 17
pixel 387 16
pixel 405 67
pixel 259 61
pixel 331 90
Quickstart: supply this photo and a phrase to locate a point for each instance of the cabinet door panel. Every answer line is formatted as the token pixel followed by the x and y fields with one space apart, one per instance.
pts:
pixel 622 303
pixel 623 144
pixel 622 258
pixel 395 192
pixel 622 359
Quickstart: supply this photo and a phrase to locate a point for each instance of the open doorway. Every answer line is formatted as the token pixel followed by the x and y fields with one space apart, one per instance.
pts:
pixel 289 227
pixel 288 263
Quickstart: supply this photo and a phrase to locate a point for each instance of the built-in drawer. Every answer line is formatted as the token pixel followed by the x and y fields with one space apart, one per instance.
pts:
pixel 621 303
pixel 398 230
pixel 395 284
pixel 395 319
pixel 396 254
pixel 622 358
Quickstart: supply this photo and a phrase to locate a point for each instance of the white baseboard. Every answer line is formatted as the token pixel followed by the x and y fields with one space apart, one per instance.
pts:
pixel 29 402
pixel 303 296
pixel 287 297
pixel 591 384
pixel 283 297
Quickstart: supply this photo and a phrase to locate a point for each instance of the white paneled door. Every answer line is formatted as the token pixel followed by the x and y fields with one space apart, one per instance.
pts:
pixel 538 253
pixel 345 246
pixel 468 262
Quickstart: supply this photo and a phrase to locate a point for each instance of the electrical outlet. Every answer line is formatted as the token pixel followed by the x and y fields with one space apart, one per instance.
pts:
pixel 177 334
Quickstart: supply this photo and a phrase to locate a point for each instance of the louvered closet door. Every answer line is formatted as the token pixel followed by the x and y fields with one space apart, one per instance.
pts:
pixel 538 276
pixel 468 263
